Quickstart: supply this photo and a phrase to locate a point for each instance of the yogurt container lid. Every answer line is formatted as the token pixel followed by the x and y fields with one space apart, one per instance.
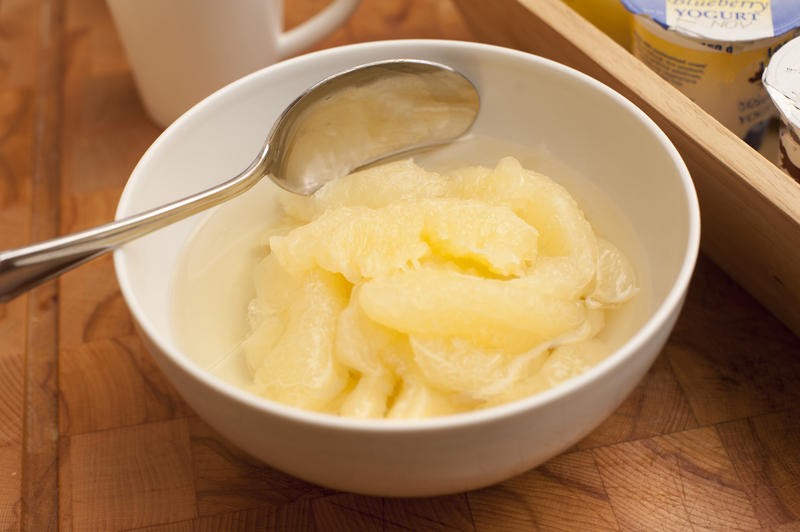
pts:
pixel 721 20
pixel 782 80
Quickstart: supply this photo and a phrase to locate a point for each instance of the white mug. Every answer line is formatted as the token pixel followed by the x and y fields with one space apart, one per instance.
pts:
pixel 180 51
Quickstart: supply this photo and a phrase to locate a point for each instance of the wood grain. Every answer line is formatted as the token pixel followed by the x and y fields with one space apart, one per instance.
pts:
pixel 226 479
pixel 675 482
pixel 131 477
pixel 18 33
pixel 744 366
pixel 11 386
pixel 40 428
pixel 295 516
pixel 566 493
pixel 656 406
pixel 132 389
pixel 763 452
pixel 709 439
pixel 108 134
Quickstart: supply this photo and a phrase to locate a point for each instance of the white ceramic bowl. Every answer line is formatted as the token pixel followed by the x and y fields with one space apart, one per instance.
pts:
pixel 525 99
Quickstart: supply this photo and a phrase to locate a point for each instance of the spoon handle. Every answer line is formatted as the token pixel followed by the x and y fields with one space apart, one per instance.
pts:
pixel 24 268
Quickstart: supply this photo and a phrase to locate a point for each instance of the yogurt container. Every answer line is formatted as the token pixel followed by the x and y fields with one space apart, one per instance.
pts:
pixel 610 16
pixel 715 52
pixel 782 81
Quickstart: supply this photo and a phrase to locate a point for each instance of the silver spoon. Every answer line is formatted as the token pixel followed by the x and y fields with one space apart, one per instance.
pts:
pixel 340 124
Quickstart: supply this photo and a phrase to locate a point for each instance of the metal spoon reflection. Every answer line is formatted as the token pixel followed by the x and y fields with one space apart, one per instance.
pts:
pixel 344 122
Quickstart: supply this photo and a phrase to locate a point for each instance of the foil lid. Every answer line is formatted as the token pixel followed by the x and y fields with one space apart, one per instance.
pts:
pixel 721 20
pixel 782 81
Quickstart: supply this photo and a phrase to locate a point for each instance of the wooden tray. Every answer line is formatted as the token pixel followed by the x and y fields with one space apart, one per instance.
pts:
pixel 750 209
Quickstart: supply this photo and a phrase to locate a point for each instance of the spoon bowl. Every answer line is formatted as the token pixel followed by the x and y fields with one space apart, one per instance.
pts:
pixel 367 114
pixel 345 121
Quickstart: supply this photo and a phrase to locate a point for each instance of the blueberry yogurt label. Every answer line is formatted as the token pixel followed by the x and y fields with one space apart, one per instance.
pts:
pixel 718 19
pixel 715 52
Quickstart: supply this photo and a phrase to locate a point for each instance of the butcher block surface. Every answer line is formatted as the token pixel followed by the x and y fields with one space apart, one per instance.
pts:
pixel 93 437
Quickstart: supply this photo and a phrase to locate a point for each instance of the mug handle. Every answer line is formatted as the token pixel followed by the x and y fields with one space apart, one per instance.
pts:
pixel 315 28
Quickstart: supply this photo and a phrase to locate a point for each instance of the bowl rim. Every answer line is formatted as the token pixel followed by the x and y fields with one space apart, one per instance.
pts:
pixel 660 318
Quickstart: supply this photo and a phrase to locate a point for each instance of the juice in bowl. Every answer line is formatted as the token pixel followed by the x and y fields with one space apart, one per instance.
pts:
pixel 384 267
pixel 715 52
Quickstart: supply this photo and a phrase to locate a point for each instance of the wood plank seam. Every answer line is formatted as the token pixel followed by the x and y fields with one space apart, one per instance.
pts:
pixel 605 489
pixel 732 461
pixel 127 426
pixel 39 482
pixel 683 431
pixel 681 387
pixel 469 511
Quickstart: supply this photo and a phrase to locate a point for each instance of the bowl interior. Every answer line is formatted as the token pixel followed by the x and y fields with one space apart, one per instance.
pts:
pixel 551 114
